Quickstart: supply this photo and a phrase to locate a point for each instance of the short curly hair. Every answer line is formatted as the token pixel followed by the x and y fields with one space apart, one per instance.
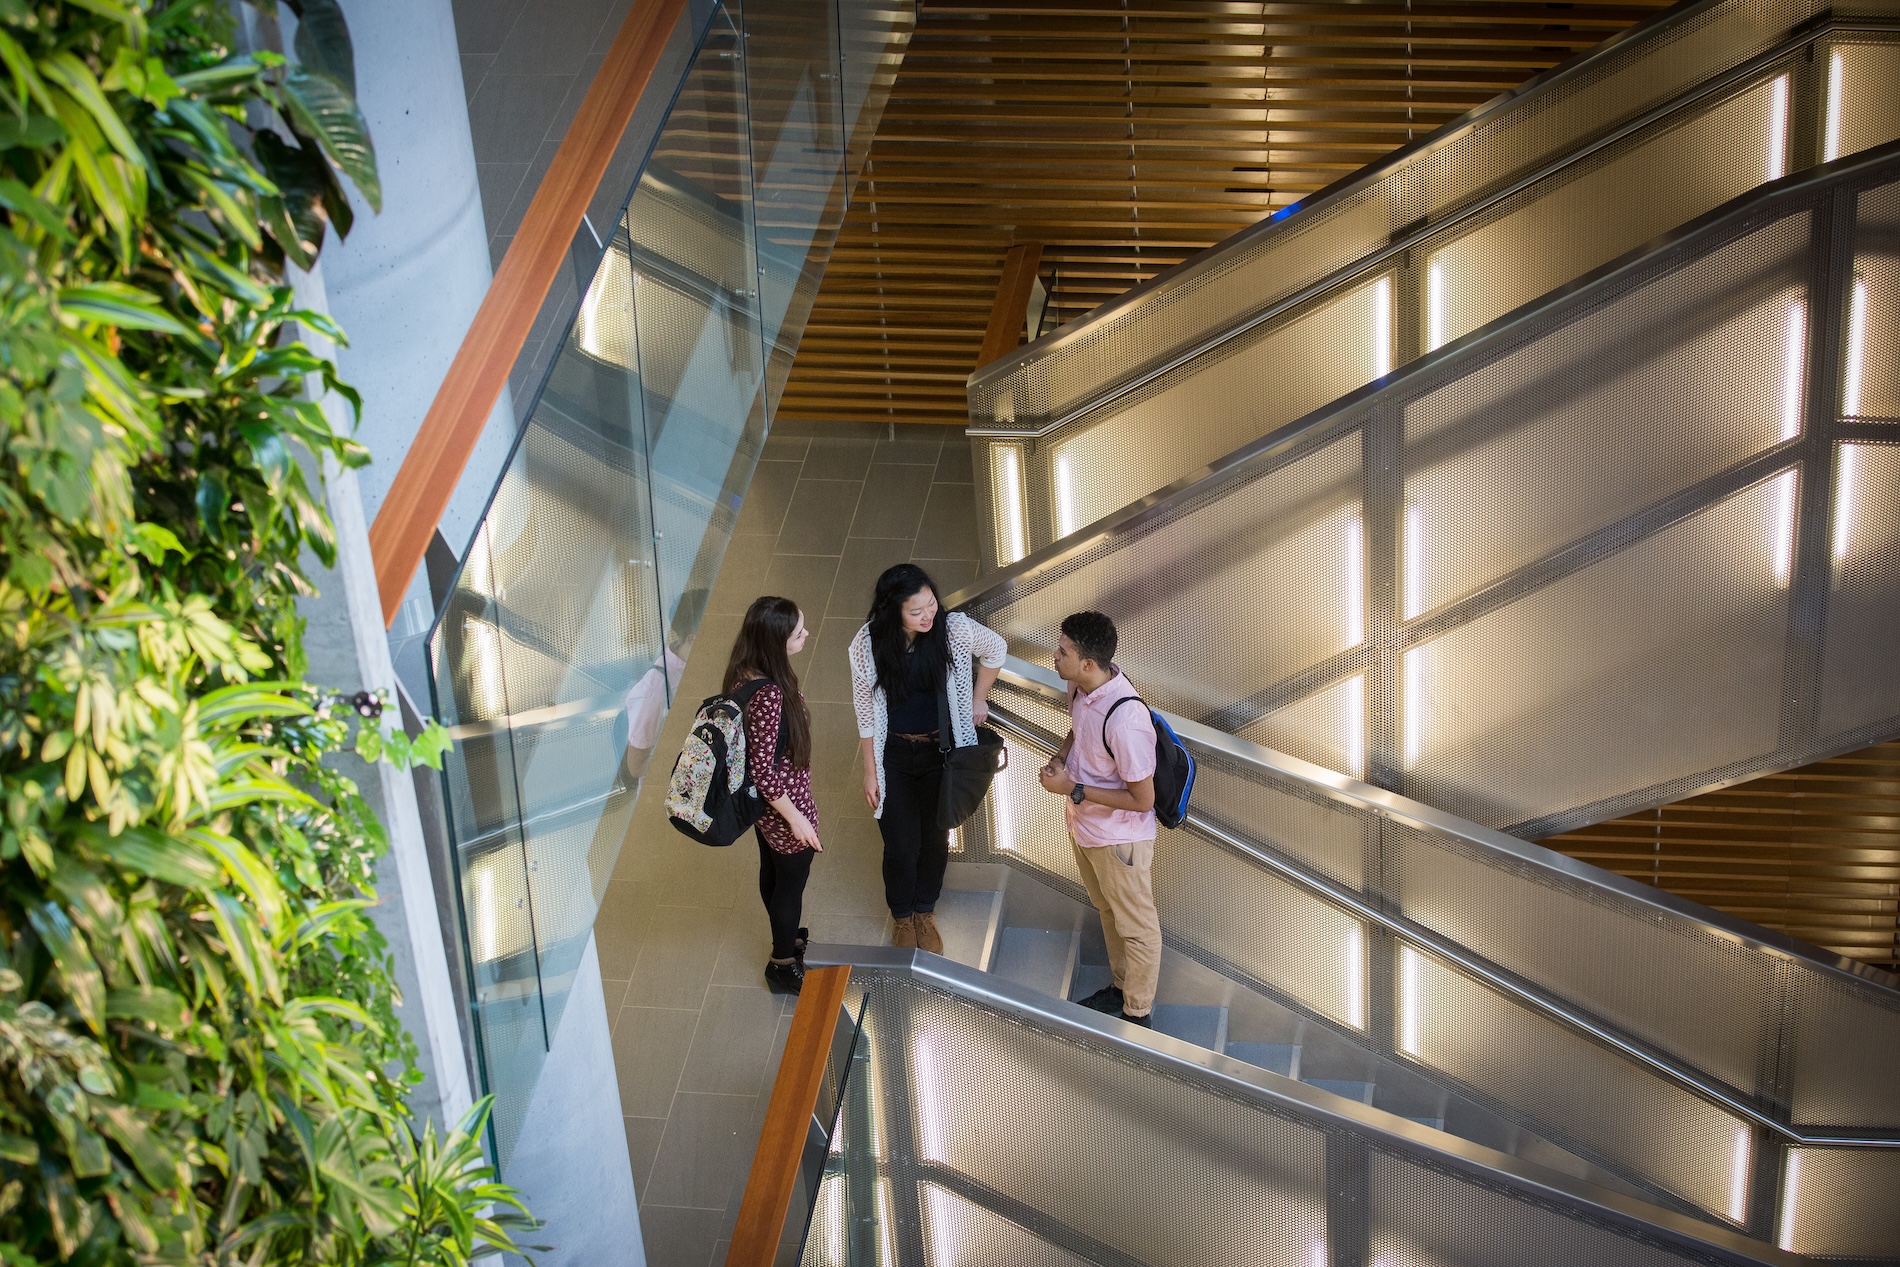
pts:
pixel 1092 635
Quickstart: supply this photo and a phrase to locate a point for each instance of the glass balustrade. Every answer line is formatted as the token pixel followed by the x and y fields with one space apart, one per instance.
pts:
pixel 581 593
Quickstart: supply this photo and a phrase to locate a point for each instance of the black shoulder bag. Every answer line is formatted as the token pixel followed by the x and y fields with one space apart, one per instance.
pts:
pixel 966 771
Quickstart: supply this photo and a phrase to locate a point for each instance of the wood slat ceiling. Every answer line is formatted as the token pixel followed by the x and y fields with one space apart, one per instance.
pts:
pixel 1814 852
pixel 1123 136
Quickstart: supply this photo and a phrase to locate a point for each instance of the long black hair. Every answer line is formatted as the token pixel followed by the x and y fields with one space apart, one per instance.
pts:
pixel 759 651
pixel 904 667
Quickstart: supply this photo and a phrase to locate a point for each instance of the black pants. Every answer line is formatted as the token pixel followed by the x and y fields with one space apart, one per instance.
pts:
pixel 782 879
pixel 916 850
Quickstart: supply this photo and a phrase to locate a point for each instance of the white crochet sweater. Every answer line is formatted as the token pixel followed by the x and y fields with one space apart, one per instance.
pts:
pixel 968 641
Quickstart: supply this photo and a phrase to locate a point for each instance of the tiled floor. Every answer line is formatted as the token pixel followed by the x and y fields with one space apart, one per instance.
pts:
pixel 682 935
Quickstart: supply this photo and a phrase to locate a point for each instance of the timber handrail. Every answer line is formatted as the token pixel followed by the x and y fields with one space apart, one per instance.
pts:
pixel 801 1071
pixel 441 448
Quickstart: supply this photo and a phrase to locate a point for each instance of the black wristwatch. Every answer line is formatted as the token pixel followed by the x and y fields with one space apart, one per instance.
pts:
pixel 1078 793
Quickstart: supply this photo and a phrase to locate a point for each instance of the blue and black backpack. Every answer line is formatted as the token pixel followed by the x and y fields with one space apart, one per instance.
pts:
pixel 1174 765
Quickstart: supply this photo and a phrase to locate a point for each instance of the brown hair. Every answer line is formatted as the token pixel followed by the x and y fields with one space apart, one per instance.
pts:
pixel 759 651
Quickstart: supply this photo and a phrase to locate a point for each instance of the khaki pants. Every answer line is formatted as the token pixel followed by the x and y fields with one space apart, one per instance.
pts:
pixel 1120 881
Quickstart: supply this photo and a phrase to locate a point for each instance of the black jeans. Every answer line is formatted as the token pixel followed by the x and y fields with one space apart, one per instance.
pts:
pixel 916 850
pixel 782 879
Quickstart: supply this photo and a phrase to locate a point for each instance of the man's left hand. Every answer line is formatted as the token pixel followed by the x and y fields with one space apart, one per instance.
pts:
pixel 1055 779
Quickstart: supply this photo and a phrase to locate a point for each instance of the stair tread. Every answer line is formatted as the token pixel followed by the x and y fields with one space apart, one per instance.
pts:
pixel 1281 1058
pixel 1360 1091
pixel 966 917
pixel 1089 977
pixel 1037 958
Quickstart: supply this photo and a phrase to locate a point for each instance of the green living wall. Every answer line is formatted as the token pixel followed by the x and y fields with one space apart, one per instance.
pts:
pixel 200 1060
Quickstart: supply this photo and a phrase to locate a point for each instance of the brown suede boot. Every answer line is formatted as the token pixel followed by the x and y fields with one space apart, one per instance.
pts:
pixel 928 938
pixel 904 932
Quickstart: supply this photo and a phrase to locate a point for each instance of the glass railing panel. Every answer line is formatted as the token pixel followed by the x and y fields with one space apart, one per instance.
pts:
pixel 795 69
pixel 1487 259
pixel 584 586
pixel 991 1130
pixel 871 38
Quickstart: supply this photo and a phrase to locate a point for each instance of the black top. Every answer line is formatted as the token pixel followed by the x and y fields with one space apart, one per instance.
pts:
pixel 916 712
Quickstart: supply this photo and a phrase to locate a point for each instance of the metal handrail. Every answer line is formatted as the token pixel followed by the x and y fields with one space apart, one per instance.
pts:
pixel 1384 804
pixel 1371 175
pixel 1200 1065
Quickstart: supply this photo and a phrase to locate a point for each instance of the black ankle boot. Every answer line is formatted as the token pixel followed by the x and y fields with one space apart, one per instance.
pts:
pixel 784 978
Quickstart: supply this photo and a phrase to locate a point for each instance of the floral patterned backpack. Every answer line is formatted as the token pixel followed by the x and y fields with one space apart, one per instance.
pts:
pixel 711 796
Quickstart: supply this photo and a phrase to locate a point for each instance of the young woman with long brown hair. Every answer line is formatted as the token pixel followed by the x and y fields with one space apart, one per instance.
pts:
pixel 778 756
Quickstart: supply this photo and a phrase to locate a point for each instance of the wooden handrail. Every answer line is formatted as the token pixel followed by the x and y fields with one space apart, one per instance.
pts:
pixel 429 471
pixel 1008 313
pixel 801 1071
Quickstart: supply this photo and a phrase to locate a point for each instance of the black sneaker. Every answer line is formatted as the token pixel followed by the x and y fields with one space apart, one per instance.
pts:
pixel 784 978
pixel 1146 1022
pixel 1107 999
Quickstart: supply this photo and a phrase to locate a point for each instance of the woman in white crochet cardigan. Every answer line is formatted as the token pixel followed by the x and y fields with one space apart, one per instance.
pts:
pixel 906 653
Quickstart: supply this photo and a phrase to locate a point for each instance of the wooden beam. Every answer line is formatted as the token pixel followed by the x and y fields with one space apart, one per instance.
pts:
pixel 801 1071
pixel 420 492
pixel 1012 301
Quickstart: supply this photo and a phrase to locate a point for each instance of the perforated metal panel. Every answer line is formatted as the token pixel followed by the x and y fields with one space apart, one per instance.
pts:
pixel 1237 1185
pixel 1671 664
pixel 1858 684
pixel 961 1233
pixel 1217 604
pixel 1709 999
pixel 1863 111
pixel 1327 727
pixel 1835 1083
pixel 1592 1100
pixel 1422 1218
pixel 1321 834
pixel 1871 368
pixel 1839 1203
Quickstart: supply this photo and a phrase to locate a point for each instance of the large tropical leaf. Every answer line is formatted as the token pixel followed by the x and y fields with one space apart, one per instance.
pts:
pixel 323 42
pixel 323 108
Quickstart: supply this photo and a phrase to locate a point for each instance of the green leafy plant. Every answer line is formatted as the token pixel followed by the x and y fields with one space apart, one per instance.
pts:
pixel 200 1060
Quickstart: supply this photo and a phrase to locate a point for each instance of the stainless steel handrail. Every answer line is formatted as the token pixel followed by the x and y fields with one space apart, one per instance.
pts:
pixel 1200 1065
pixel 1384 804
pixel 1371 175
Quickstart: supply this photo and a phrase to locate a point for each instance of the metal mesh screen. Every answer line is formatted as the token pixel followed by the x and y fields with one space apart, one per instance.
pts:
pixel 1834 1083
pixel 1858 685
pixel 1423 1218
pixel 1862 108
pixel 1253 588
pixel 1714 1006
pixel 1235 395
pixel 961 1233
pixel 1238 1185
pixel 1593 1100
pixel 1498 730
pixel 1871 369
pixel 1327 728
pixel 1840 1203
pixel 1318 833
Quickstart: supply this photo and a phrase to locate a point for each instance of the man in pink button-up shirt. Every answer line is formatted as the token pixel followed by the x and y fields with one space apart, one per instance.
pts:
pixel 1106 768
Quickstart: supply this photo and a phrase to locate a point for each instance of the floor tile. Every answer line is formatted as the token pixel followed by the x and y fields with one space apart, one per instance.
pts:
pixel 835 457
pixel 733 1041
pixel 805 579
pixel 677 959
pixel 864 559
pixel 481 26
pixel 554 35
pixel 742 573
pixel 745 945
pixel 511 115
pixel 916 445
pixel 893 501
pixel 767 496
pixel 948 530
pixel 619 928
pixel 677 1237
pixel 643 1144
pixel 951 574
pixel 827 675
pixel 706 1151
pixel 955 465
pixel 650 1047
pixel 819 518
pixel 780 447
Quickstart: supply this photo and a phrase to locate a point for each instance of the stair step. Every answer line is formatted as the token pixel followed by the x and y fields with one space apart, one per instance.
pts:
pixel 1089 977
pixel 1281 1058
pixel 1360 1091
pixel 1436 1123
pixel 967 918
pixel 1039 959
pixel 1201 1025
